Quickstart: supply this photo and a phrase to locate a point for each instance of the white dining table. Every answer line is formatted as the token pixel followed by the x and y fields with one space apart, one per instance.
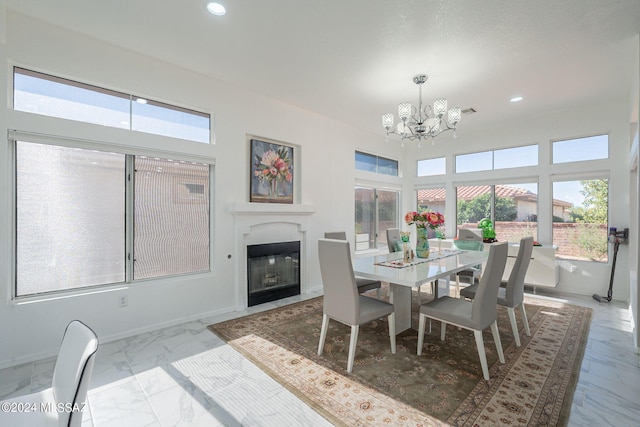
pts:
pixel 402 279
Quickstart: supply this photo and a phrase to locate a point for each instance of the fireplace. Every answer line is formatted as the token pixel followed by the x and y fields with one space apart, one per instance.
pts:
pixel 273 271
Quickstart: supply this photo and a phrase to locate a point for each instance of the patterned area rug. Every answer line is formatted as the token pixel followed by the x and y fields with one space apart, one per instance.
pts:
pixel 442 387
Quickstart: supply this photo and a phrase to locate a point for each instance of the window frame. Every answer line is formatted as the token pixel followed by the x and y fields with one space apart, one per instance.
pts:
pixel 587 176
pixel 128 190
pixel 377 163
pixel 133 100
pixel 376 221
pixel 492 154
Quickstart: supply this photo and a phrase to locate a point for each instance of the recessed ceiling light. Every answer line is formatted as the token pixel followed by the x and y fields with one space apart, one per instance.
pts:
pixel 216 9
pixel 517 99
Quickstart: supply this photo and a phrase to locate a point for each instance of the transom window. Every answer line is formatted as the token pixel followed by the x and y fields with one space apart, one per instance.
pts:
pixel 581 149
pixel 431 167
pixel 498 159
pixel 53 96
pixel 377 164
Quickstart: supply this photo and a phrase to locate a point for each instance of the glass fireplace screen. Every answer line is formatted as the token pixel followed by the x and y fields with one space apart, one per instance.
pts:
pixel 273 271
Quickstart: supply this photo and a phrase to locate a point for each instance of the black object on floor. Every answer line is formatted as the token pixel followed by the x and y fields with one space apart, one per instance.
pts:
pixel 609 296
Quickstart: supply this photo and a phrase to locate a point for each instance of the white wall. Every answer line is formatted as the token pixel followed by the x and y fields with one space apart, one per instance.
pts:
pixel 31 331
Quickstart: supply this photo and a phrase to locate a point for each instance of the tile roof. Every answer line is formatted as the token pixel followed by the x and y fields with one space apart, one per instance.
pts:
pixel 472 191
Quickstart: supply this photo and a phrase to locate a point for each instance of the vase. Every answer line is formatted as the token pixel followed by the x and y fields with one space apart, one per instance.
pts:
pixel 273 189
pixel 422 243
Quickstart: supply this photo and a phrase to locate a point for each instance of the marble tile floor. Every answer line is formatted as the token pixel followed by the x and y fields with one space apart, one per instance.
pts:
pixel 185 375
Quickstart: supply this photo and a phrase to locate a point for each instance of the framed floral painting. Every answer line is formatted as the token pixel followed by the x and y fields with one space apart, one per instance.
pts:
pixel 271 172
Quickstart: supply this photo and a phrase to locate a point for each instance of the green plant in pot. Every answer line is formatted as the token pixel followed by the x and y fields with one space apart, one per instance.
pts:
pixel 488 232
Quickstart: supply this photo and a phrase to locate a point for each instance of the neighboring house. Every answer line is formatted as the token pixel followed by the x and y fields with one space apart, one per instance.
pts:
pixel 526 201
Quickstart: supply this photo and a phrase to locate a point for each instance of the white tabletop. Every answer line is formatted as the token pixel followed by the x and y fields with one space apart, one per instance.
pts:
pixel 416 275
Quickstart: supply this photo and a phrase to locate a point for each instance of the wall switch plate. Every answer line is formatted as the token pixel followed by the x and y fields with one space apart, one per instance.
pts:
pixel 573 269
pixel 123 301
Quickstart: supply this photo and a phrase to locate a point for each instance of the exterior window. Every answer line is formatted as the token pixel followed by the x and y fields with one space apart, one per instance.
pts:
pixel 474 162
pixel 67 99
pixel 580 226
pixel 171 205
pixel 432 199
pixel 512 208
pixel 576 150
pixel 376 211
pixel 515 157
pixel 71 218
pixel 376 164
pixel 70 227
pixel 498 159
pixel 431 167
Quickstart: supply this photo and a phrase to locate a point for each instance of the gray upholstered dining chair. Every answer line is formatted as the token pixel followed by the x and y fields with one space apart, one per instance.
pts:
pixel 474 315
pixel 364 284
pixel 469 239
pixel 394 242
pixel 512 296
pixel 71 376
pixel 342 302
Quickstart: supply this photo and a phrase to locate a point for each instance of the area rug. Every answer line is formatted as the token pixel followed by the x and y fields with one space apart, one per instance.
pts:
pixel 442 387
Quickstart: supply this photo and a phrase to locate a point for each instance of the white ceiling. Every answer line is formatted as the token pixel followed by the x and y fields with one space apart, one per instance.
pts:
pixel 354 59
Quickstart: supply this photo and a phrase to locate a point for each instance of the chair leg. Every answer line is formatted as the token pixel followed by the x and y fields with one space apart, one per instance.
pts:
pixel 514 325
pixel 525 320
pixel 496 339
pixel 443 330
pixel 421 326
pixel 323 332
pixel 352 346
pixel 418 295
pixel 482 354
pixel 392 332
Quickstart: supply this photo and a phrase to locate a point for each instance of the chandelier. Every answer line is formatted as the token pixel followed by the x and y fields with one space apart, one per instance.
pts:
pixel 418 124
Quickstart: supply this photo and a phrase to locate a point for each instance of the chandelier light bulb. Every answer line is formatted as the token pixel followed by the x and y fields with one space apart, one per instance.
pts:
pixel 387 121
pixel 404 111
pixel 440 106
pixel 454 115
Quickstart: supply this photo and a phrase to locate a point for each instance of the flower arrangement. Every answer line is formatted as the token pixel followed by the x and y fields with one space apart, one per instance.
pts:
pixel 425 219
pixel 274 165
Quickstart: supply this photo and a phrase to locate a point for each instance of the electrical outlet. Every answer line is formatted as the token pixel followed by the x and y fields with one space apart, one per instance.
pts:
pixel 573 269
pixel 123 301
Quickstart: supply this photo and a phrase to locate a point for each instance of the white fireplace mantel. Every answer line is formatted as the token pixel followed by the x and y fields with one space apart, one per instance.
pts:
pixel 271 208
pixel 258 223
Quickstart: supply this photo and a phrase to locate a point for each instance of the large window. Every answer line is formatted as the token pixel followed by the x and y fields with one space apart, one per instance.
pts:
pixel 73 228
pixel 67 99
pixel 512 208
pixel 580 223
pixel 376 211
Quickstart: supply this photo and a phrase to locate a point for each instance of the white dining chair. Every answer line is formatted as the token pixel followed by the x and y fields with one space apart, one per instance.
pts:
pixel 342 302
pixel 512 295
pixel 474 315
pixel 364 284
pixel 62 404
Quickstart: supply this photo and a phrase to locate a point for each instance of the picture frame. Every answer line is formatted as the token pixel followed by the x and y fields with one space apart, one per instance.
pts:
pixel 272 172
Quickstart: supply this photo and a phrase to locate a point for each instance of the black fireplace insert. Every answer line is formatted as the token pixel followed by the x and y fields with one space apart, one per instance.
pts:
pixel 273 271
